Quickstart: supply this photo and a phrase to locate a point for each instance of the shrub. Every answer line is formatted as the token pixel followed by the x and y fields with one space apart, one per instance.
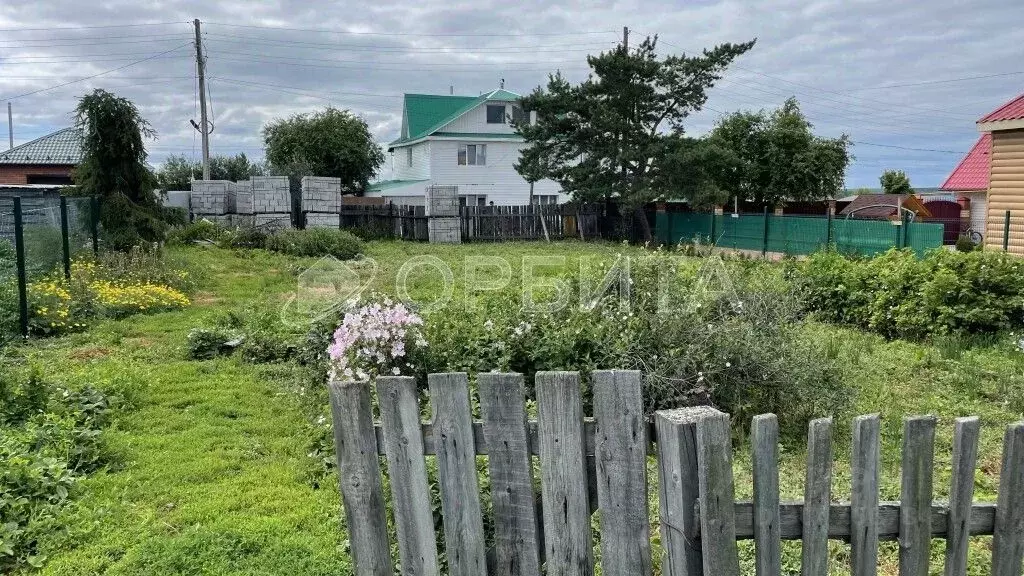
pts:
pixel 201 230
pixel 375 339
pixel 965 244
pixel 249 237
pixel 315 242
pixel 208 343
pixel 900 295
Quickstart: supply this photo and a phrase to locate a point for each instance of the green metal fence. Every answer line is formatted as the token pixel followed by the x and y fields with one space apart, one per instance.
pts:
pixel 39 235
pixel 796 234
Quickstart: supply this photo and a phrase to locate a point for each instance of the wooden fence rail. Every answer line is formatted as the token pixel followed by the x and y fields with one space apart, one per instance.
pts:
pixel 605 456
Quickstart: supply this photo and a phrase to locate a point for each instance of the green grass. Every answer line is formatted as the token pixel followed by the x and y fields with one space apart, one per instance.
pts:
pixel 212 474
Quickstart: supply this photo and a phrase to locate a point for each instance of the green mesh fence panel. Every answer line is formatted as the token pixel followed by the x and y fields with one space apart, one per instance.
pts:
pixel 798 234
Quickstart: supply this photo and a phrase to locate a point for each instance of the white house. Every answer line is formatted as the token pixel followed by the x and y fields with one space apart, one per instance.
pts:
pixel 463 141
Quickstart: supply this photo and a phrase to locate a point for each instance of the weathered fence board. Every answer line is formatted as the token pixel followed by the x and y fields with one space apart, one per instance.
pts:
pixel 700 520
pixel 817 496
pixel 961 493
pixel 768 545
pixel 717 515
pixel 515 518
pixel 1008 535
pixel 359 478
pixel 568 542
pixel 407 470
pixel 864 500
pixel 677 475
pixel 916 495
pixel 457 476
pixel 622 473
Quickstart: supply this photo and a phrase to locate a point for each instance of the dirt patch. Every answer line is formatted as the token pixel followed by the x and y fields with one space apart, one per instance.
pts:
pixel 90 353
pixel 205 298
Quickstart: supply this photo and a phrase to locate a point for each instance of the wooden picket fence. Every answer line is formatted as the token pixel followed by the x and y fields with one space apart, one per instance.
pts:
pixel 700 520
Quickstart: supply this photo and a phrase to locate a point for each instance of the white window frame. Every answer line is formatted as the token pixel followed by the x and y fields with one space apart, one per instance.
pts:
pixel 545 199
pixel 408 157
pixel 478 157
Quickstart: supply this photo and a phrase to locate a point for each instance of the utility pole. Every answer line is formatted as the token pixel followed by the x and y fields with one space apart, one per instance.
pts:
pixel 10 125
pixel 625 38
pixel 204 125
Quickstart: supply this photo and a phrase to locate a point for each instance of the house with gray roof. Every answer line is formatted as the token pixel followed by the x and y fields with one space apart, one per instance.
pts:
pixel 45 160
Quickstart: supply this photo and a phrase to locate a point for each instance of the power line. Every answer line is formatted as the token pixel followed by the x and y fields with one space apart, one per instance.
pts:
pixel 490 65
pixel 48 43
pixel 105 72
pixel 89 61
pixel 89 27
pixel 944 81
pixel 576 46
pixel 905 147
pixel 376 63
pixel 337 92
pixel 425 35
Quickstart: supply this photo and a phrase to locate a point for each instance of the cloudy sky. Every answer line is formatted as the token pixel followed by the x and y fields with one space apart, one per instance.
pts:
pixel 905 79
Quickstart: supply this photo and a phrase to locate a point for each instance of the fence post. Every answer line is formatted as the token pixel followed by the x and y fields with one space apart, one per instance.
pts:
pixel 828 230
pixel 19 251
pixel 865 462
pixel 717 496
pixel 1006 232
pixel 678 487
pixel 94 221
pixel 714 218
pixel 359 478
pixel 764 238
pixel 64 236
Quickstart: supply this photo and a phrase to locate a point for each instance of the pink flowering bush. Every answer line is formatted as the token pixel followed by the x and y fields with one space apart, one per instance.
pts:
pixel 375 339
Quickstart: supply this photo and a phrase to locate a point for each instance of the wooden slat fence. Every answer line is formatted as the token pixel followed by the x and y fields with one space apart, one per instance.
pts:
pixel 700 520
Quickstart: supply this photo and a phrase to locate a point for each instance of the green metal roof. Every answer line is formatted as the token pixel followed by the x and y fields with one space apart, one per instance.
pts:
pixel 425 114
pixel 62 147
pixel 389 184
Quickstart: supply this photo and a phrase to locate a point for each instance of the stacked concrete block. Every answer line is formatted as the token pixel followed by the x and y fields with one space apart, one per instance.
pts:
pixel 442 209
pixel 321 194
pixel 243 198
pixel 322 220
pixel 270 222
pixel 270 194
pixel 177 199
pixel 212 197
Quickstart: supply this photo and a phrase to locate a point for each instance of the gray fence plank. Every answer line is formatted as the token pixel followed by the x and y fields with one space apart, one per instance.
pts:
pixel 961 493
pixel 864 501
pixel 1008 536
pixel 764 441
pixel 982 521
pixel 817 498
pixel 359 478
pixel 503 410
pixel 622 473
pixel 918 454
pixel 407 472
pixel 456 467
pixel 568 541
pixel 717 512
pixel 676 431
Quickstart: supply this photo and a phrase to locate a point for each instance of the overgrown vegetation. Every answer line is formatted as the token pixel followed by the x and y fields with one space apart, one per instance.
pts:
pixel 313 242
pixel 900 295
pixel 50 438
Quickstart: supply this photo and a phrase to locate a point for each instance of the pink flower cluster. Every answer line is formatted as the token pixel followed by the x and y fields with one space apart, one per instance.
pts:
pixel 374 339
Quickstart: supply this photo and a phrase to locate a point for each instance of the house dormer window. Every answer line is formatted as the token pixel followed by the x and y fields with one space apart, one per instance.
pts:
pixel 472 154
pixel 495 113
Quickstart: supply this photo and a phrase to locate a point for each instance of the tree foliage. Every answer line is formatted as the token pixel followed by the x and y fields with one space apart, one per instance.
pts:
pixel 895 182
pixel 114 168
pixel 768 158
pixel 178 172
pixel 616 133
pixel 330 142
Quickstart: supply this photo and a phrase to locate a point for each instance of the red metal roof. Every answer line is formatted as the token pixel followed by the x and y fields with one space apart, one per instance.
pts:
pixel 1012 110
pixel 972 172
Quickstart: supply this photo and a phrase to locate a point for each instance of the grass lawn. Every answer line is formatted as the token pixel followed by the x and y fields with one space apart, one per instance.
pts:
pixel 212 473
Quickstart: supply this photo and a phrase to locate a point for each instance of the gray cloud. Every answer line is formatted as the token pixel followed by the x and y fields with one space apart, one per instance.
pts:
pixel 272 59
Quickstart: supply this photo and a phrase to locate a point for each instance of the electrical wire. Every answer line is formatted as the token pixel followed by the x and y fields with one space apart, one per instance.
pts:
pixel 424 35
pixel 105 72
